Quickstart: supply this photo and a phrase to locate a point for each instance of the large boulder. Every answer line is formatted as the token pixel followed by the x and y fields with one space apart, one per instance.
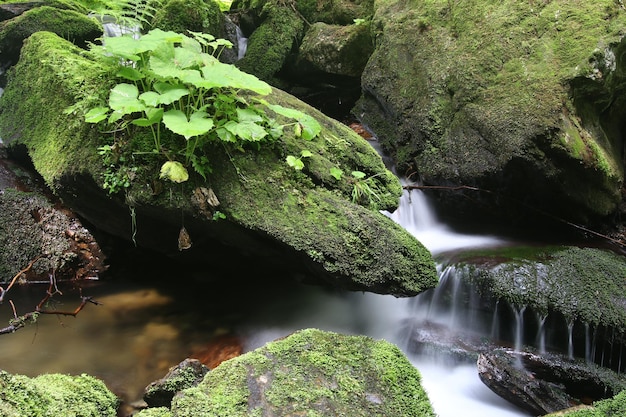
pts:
pixel 304 223
pixel 523 100
pixel 55 395
pixel 70 24
pixel 311 372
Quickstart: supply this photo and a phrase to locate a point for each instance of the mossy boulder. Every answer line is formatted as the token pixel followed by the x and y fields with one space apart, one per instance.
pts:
pixel 336 49
pixel 195 15
pixel 69 24
pixel 311 372
pixel 520 99
pixel 287 41
pixel 302 223
pixel 583 284
pixel 272 41
pixel 51 395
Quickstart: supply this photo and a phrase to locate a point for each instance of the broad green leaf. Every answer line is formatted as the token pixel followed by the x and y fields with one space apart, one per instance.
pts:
pixel 174 171
pixel 218 74
pixel 336 173
pixel 123 99
pixel 310 127
pixel 154 116
pixel 150 98
pixel 248 115
pixel 170 92
pixel 96 114
pixel 295 163
pixel 305 153
pixel 130 74
pixel 155 38
pixel 246 130
pixel 125 47
pixel 198 123
pixel 225 135
pixel 358 175
pixel 186 58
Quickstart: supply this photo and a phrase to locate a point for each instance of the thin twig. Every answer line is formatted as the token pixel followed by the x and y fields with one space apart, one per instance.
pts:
pixel 23 271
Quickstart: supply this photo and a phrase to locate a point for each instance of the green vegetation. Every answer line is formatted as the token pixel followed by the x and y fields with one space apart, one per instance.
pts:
pixel 176 82
pixel 52 395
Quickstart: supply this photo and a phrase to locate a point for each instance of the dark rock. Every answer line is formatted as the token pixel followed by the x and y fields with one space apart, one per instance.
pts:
pixel 186 374
pixel 543 384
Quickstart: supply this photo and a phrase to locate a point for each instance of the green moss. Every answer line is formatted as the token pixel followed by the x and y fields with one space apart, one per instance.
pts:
pixel 270 44
pixel 69 24
pixel 484 84
pixel 55 395
pixel 154 412
pixel 311 373
pixel 585 284
pixel 45 84
pixel 195 15
pixel 612 407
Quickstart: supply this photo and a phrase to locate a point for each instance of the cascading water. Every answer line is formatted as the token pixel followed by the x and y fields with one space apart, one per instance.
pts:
pixel 453 386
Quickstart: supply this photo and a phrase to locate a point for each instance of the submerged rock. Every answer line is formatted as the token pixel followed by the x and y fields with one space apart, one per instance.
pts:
pixel 311 371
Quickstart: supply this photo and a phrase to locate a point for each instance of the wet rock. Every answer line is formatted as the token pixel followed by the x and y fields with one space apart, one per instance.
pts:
pixel 186 374
pixel 543 384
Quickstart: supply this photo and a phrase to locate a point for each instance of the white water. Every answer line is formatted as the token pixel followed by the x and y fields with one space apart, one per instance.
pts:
pixel 417 216
pixel 454 389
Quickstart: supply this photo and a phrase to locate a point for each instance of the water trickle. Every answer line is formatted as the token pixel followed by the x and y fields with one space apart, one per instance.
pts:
pixel 570 339
pixel 242 43
pixel 417 216
pixel 541 333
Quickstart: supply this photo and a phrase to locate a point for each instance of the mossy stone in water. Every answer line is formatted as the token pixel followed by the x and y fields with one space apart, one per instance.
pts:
pixel 313 373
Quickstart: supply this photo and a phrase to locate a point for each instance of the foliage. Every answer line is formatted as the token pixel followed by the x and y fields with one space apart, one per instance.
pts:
pixel 126 13
pixel 177 82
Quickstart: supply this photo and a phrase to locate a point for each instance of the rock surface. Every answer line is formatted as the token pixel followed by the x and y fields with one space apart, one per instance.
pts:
pixel 544 384
pixel 513 98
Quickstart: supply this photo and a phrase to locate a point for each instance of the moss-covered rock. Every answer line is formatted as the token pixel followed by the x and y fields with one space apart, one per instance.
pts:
pixel 51 395
pixel 301 221
pixel 195 15
pixel 272 42
pixel 516 98
pixel 335 49
pixel 69 24
pixel 154 412
pixel 585 284
pixel 335 12
pixel 313 373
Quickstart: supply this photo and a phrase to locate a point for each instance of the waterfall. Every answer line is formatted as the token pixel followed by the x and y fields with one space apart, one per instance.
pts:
pixel 416 215
pixel 242 43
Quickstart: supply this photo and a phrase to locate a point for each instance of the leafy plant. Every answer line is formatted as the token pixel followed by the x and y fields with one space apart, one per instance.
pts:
pixel 296 163
pixel 362 191
pixel 128 14
pixel 174 82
